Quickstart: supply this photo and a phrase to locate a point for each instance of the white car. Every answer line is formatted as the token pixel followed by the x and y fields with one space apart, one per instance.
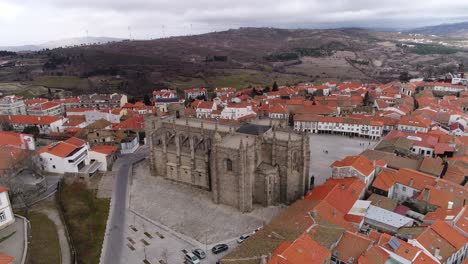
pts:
pixel 191 259
pixel 242 238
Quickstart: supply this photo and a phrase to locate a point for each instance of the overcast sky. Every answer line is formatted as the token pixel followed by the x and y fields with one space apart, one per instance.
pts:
pixel 38 21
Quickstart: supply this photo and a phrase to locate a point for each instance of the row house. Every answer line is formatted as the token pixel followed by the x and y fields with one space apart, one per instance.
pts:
pixel 45 124
pixel 103 101
pixel 46 109
pixel 414 124
pixel 203 109
pixel 195 92
pixel 446 87
pixel 405 184
pixel 363 127
pixel 278 111
pixel 12 105
pixel 224 91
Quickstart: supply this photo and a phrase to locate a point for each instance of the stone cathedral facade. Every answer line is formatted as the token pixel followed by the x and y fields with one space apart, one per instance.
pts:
pixel 238 165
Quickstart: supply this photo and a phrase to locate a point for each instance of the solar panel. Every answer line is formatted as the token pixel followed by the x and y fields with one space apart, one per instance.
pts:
pixel 394 243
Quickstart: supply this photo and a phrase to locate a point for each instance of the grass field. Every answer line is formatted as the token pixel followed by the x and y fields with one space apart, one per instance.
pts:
pixel 43 232
pixel 239 79
pixel 64 82
pixel 86 217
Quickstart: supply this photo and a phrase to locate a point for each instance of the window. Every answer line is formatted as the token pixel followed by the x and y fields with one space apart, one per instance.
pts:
pixel 403 188
pixel 228 165
pixel 2 216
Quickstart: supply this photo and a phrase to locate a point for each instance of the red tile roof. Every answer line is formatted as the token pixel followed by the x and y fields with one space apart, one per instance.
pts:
pixel 304 250
pixel 61 149
pixel 6 259
pixel 104 149
pixel 29 119
pixel 360 163
pixel 351 246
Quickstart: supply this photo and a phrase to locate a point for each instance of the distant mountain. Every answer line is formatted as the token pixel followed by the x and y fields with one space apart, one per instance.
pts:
pixel 68 42
pixel 444 30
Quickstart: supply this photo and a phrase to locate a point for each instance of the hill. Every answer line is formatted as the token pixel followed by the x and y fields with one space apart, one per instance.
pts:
pixel 456 30
pixel 67 42
pixel 238 58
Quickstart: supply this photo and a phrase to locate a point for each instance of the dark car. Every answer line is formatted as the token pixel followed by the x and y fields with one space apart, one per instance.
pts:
pixel 219 248
pixel 199 253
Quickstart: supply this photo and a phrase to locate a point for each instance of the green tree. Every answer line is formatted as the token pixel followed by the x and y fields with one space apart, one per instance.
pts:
pixel 147 100
pixel 274 87
pixel 404 76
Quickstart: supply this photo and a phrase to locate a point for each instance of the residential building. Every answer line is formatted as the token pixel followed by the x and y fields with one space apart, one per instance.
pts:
pixel 46 124
pixel 12 105
pixel 46 109
pixel 204 109
pixel 236 111
pixel 61 157
pixel 105 154
pixel 195 92
pixel 278 111
pixel 414 124
pixel 303 250
pixel 224 91
pixel 103 101
pixel 6 213
pixel 164 94
pixel 354 166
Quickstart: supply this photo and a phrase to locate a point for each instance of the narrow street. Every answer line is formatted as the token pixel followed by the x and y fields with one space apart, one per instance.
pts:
pixel 114 236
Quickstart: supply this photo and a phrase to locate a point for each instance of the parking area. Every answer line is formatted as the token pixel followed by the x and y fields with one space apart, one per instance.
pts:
pixel 325 149
pixel 166 218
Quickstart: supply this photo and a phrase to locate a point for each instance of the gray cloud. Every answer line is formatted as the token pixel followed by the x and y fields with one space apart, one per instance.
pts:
pixel 33 21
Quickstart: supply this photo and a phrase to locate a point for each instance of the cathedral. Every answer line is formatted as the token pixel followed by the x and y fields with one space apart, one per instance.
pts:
pixel 236 164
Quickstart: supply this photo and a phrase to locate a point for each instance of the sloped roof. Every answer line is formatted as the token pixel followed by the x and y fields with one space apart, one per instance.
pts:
pixel 304 250
pixel 351 246
pixel 360 163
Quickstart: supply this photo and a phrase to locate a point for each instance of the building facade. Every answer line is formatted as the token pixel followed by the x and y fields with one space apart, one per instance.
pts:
pixel 12 105
pixel 238 165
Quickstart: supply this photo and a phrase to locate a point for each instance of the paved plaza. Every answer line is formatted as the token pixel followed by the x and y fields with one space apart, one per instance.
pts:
pixel 337 147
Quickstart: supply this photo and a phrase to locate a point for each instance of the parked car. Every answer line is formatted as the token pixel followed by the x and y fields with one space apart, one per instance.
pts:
pixel 191 259
pixel 199 253
pixel 242 238
pixel 219 248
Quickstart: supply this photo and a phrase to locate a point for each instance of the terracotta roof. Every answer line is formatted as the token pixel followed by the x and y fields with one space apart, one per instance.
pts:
pixel 304 250
pixel 456 239
pixel 137 122
pixel 75 142
pixel 384 180
pixel 433 166
pixel 195 90
pixel 8 138
pixel 359 162
pixel 45 106
pixel 278 109
pixel 104 149
pixel 423 258
pixel 29 119
pixel 375 255
pixel 414 179
pixel 205 105
pixel 351 246
pixel 61 149
pixel 443 214
pixel 405 249
pixel 35 101
pixel 6 259
pixel 462 222
pixel 431 240
pixel 79 109
pixel 415 121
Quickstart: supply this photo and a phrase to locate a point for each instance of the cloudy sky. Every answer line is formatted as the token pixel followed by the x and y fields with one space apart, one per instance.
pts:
pixel 38 21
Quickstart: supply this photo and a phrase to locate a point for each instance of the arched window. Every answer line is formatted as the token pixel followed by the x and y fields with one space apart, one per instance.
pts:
pixel 228 165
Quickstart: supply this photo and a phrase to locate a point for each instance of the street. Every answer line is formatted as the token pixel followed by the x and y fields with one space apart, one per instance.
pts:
pixel 114 237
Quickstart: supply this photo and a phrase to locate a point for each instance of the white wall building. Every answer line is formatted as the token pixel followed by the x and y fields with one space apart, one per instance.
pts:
pixel 6 213
pixel 46 124
pixel 12 105
pixel 46 109
pixel 65 156
pixel 235 111
pixel 94 115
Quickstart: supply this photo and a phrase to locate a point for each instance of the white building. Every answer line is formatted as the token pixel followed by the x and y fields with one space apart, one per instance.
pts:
pixel 70 155
pixel 204 109
pixel 365 127
pixel 46 124
pixel 414 124
pixel 164 94
pixel 234 111
pixel 12 105
pixel 448 87
pixel 6 213
pixel 106 114
pixel 104 154
pixel 195 92
pixel 46 109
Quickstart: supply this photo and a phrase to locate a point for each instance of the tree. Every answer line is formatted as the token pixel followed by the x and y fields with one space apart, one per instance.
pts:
pixel 132 100
pixel 404 77
pixel 266 89
pixel 366 99
pixel 275 87
pixel 33 130
pixel 147 100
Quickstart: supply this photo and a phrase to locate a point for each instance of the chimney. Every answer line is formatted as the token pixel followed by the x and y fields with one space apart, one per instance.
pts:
pixel 342 186
pixel 334 212
pixel 411 182
pixel 450 205
pixel 9 117
pixel 437 253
